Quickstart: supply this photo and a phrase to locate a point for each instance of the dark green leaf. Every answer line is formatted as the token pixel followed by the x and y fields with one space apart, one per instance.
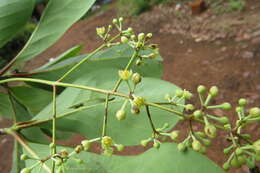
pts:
pixel 17 164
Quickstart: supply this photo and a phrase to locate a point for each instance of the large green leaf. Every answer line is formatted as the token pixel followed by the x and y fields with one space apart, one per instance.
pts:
pixel 58 16
pixel 165 160
pixel 14 14
pixel 89 122
pixel 5 106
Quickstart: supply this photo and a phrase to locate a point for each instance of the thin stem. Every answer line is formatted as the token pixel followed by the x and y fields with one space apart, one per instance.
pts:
pixel 87 58
pixel 12 105
pixel 150 119
pixel 54 105
pixel 104 128
pixel 27 148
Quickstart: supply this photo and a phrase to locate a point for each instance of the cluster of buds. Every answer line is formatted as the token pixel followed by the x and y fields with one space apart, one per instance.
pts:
pixel 107 144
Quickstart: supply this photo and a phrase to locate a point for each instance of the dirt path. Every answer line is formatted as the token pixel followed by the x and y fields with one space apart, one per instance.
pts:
pixel 230 61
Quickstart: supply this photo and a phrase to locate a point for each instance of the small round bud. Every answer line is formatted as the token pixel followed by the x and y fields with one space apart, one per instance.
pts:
pixel 121 114
pixel 200 134
pixel 101 31
pixel 141 36
pixel 114 21
pixel 224 120
pixel 120 147
pixel 133 37
pixel 79 161
pixel 181 147
pixel 256 145
pixel 241 159
pixel 26 170
pixel 187 95
pixel 110 27
pixel 124 74
pixel 144 142
pixel 198 114
pixel 139 62
pixel 227 127
pixel 226 166
pixel 135 110
pixel 239 109
pixel 120 19
pixel 149 35
pixel 242 102
pixel 107 141
pixel 196 145
pixel 254 112
pixel 167 97
pixel 201 89
pixel 138 101
pixel 210 130
pixel 78 148
pixel 58 162
pixel 179 93
pixel 156 145
pixel 108 151
pixel 189 107
pixel 136 78
pixel 174 135
pixel 64 153
pixel 226 106
pixel 239 151
pixel 24 157
pixel 124 39
pixel 86 144
pixel 213 91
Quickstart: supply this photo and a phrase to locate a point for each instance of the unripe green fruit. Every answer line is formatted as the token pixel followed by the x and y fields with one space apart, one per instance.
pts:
pixel 124 39
pixel 130 30
pixel 26 170
pixel 254 112
pixel 201 89
pixel 121 19
pixel 227 150
pixel 210 130
pixel 213 91
pixel 133 37
pixel 136 78
pixel 156 145
pixel 234 162
pixel 239 151
pixel 141 36
pixel 120 147
pixel 224 120
pixel 174 135
pixel 187 95
pixel 179 93
pixel 226 106
pixel 256 145
pixel 114 21
pixel 181 147
pixel 198 114
pixel 241 159
pixel 149 35
pixel 24 157
pixel 242 102
pixel 107 141
pixel 86 144
pixel 250 163
pixel 121 114
pixel 196 145
pixel 144 142
pixel 226 166
pixel 135 110
pixel 239 109
pixel 189 107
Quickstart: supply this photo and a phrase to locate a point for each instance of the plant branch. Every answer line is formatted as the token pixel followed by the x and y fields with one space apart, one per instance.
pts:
pixel 54 105
pixel 150 119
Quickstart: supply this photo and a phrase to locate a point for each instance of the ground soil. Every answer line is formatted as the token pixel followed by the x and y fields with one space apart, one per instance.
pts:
pixel 191 57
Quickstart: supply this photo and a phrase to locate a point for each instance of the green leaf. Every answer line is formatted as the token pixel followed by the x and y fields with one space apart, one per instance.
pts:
pixel 89 122
pixel 33 98
pixel 58 16
pixel 5 106
pixel 165 160
pixel 14 14
pixel 17 164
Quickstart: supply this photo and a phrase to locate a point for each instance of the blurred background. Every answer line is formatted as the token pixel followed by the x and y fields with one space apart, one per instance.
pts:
pixel 209 42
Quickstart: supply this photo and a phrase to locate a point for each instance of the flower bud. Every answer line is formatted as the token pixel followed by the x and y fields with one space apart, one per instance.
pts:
pixel 239 109
pixel 189 107
pixel 226 106
pixel 256 146
pixel 149 35
pixel 210 130
pixel 224 120
pixel 86 144
pixel 64 153
pixel 241 159
pixel 226 166
pixel 58 162
pixel 234 162
pixel 78 148
pixel 187 95
pixel 141 36
pixel 120 147
pixel 121 114
pixel 174 135
pixel 120 19
pixel 26 170
pixel 181 147
pixel 138 101
pixel 198 114
pixel 213 91
pixel 196 145
pixel 124 39
pixel 228 150
pixel 107 141
pixel 133 37
pixel 156 144
pixel 108 151
pixel 24 157
pixel 242 102
pixel 114 21
pixel 144 142
pixel 200 134
pixel 124 74
pixel 179 93
pixel 135 110
pixel 206 142
pixel 201 89
pixel 254 112
pixel 239 151
pixel 136 78
pixel 101 31
pixel 227 127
